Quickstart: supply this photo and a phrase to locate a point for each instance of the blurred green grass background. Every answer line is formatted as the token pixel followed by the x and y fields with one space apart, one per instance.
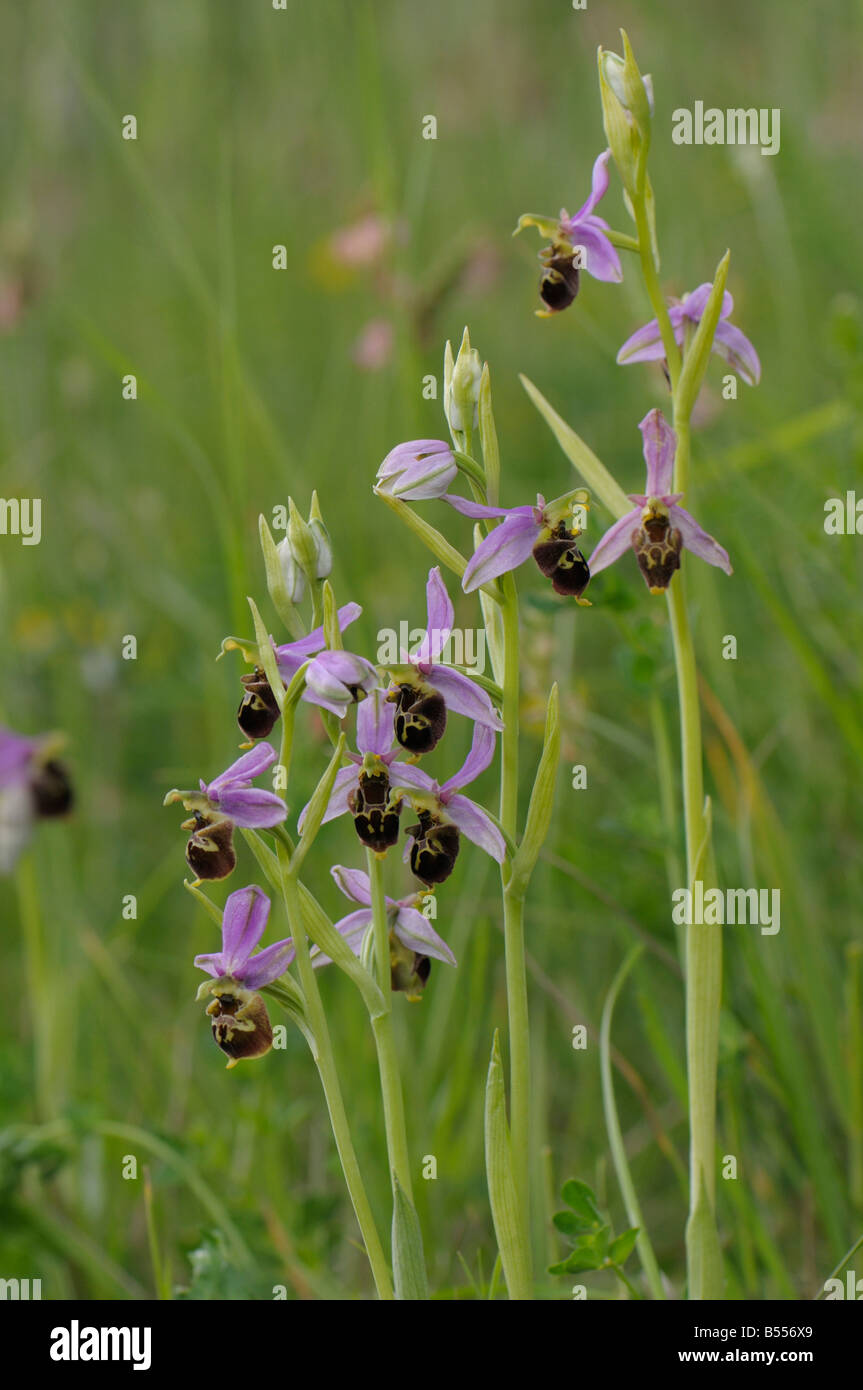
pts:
pixel 258 128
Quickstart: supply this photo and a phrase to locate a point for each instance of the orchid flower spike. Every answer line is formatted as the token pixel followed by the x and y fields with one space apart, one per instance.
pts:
pixel 734 347
pixel 424 689
pixel 33 786
pixel 417 470
pixel 240 1022
pixel 444 814
pixel 413 941
pixel 657 528
pixel 578 243
pixel 547 531
pixel 229 800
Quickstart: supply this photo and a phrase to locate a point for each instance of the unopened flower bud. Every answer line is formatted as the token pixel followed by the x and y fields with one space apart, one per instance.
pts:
pixel 417 470
pixel 462 396
pixel 321 538
pixel 292 573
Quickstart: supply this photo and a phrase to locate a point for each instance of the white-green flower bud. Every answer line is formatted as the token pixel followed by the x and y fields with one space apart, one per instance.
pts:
pixel 321 537
pixel 292 573
pixel 462 395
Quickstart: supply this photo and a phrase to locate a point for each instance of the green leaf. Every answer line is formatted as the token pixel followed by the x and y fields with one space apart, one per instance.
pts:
pixel 594 473
pixel 317 806
pixel 705 1275
pixel 580 1198
pixel 409 1271
pixel 541 800
pixel 488 439
pixel 621 1248
pixel 501 1183
pixel 569 1223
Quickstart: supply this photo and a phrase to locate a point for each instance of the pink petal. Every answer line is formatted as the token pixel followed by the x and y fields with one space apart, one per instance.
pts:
pixel 616 541
pixel 660 443
pixel 268 964
pixel 598 186
pixel 601 259
pixel 473 822
pixel 257 760
pixel 645 345
pixel 464 697
pixel 440 618
pixel 244 921
pixel 738 352
pixel 480 755
pixel 353 883
pixel 507 547
pixel 416 932
pixel 698 541
pixel 694 304
pixel 375 716
pixel 252 808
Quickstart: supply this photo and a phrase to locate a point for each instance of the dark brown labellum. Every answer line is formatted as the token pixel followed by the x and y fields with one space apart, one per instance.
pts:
pixel 562 562
pixel 434 850
pixel 210 851
pixel 420 719
pixel 241 1025
pixel 657 545
pixel 558 286
pixel 375 811
pixel 258 711
pixel 52 790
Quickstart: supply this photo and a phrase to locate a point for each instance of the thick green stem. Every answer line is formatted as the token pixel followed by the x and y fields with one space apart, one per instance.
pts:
pixel 513 921
pixel 326 1065
pixel 382 1026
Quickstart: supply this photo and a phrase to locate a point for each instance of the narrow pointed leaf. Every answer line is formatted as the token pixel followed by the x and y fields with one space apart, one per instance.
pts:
pixel 698 354
pixel 583 459
pixel 282 603
pixel 409 1271
pixel 501 1182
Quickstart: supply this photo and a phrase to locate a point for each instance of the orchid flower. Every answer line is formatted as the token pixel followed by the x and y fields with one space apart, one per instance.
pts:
pixel 259 709
pixel 657 528
pixel 444 813
pixel 734 347
pixel 416 470
pixel 425 689
pixel 541 531
pixel 33 786
pixel 240 1022
pixel 578 243
pixel 413 940
pixel 335 680
pixel 364 788
pixel 229 800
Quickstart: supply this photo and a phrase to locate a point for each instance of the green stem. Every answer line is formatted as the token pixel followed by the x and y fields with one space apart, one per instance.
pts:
pixel 326 1065
pixel 513 924
pixel 382 1026
pixel 703 945
pixel 653 287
